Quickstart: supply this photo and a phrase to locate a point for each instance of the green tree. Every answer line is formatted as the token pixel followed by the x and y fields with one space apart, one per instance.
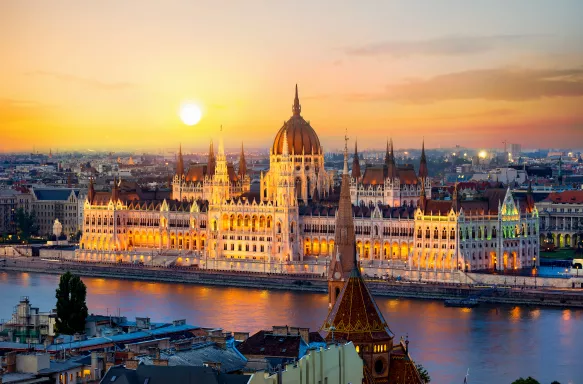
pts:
pixel 528 380
pixel 25 224
pixel 423 373
pixel 71 307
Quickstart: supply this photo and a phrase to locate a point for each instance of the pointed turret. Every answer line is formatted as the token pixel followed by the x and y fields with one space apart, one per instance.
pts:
pixel 180 163
pixel 242 163
pixel 211 164
pixel 391 166
pixel 115 191
pixel 297 108
pixel 355 163
pixel 388 154
pixel 455 203
pixel 91 191
pixel 285 149
pixel 423 172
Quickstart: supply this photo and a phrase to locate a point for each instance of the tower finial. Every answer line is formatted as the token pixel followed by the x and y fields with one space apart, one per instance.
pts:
pixel 297 108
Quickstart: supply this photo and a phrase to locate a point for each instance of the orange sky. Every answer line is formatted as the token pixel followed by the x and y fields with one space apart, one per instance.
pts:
pixel 111 75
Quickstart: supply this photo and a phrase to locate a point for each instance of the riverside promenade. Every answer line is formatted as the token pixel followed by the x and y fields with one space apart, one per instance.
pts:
pixel 517 294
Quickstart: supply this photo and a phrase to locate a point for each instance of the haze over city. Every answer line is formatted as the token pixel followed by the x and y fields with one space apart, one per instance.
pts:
pixel 113 75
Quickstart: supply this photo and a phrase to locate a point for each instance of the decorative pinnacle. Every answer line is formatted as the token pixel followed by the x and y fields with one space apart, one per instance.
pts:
pixel 297 108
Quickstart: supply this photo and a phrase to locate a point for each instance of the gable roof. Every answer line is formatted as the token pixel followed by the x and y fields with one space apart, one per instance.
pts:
pixel 58 194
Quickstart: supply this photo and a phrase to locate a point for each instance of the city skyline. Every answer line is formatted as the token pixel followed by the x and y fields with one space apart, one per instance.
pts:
pixel 105 77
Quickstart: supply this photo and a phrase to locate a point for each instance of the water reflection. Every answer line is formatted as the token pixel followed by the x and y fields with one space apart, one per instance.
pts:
pixel 497 343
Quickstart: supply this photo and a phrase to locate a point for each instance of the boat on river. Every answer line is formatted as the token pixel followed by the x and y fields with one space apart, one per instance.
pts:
pixel 461 303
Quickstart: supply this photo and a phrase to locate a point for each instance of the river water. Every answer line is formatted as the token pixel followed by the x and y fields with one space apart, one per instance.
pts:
pixel 498 343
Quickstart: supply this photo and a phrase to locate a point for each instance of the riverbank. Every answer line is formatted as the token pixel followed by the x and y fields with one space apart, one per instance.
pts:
pixel 432 291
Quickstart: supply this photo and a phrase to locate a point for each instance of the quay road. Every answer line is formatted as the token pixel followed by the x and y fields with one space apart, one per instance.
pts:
pixel 521 295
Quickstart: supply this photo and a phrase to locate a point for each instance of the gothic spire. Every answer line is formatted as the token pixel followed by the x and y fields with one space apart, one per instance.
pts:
pixel 387 154
pixel 285 149
pixel 242 163
pixel 297 108
pixel 423 172
pixel 455 199
pixel 355 163
pixel 180 163
pixel 344 237
pixel 391 166
pixel 211 164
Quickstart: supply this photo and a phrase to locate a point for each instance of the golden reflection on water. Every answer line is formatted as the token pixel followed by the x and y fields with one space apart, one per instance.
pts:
pixel 515 314
pixel 567 314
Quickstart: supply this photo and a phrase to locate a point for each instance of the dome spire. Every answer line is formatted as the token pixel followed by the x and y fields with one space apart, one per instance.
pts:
pixel 297 108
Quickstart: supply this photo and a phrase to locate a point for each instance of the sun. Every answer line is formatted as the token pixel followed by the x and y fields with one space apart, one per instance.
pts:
pixel 190 114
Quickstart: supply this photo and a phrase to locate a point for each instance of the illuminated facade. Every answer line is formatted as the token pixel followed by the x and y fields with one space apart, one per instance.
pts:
pixel 214 214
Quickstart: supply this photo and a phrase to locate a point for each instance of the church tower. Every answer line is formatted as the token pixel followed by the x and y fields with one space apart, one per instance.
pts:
pixel 344 239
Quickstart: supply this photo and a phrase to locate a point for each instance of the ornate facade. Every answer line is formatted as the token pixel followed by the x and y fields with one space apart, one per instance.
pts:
pixel 214 213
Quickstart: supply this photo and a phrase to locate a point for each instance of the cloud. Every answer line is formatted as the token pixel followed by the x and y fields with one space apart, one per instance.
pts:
pixel 509 84
pixel 86 82
pixel 13 110
pixel 442 46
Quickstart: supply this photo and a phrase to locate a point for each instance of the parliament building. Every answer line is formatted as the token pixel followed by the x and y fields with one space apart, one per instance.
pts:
pixel 215 214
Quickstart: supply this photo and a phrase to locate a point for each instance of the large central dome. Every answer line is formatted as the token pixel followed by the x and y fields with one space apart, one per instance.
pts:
pixel 301 137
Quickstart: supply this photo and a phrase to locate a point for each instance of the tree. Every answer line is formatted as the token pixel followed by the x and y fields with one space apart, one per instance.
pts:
pixel 71 307
pixel 528 380
pixel 423 373
pixel 25 224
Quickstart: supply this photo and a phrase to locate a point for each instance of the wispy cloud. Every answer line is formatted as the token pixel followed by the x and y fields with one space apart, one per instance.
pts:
pixel 86 82
pixel 510 84
pixel 442 46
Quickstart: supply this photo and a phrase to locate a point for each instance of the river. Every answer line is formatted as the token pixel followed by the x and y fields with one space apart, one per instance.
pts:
pixel 497 343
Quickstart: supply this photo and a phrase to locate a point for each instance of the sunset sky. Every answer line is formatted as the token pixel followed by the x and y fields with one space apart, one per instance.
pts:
pixel 112 74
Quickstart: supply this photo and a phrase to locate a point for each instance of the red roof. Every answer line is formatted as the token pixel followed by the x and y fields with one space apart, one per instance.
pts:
pixel 377 175
pixel 567 197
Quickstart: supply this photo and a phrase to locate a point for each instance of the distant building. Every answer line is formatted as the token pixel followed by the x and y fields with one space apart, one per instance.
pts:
pixel 28 324
pixel 64 204
pixel 8 206
pixel 561 218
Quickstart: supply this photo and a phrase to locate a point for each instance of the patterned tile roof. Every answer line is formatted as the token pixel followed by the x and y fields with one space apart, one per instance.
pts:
pixel 355 316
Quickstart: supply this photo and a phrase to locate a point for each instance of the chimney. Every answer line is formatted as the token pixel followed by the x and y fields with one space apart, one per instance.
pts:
pixel 241 336
pixel 221 341
pixel 95 366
